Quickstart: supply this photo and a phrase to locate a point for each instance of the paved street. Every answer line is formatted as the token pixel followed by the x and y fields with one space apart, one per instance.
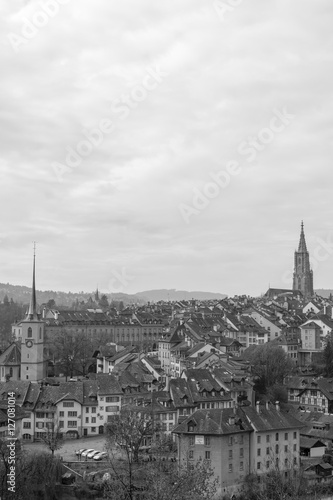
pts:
pixel 70 445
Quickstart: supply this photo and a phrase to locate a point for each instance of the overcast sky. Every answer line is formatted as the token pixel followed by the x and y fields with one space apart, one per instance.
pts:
pixel 116 117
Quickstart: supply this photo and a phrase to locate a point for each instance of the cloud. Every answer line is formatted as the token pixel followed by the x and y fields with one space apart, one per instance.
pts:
pixel 119 206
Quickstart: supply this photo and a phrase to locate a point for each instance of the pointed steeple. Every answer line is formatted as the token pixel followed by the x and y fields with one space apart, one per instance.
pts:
pixel 32 313
pixel 302 243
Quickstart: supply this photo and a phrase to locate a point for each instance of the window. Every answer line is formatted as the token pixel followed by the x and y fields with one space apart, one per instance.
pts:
pixel 277 462
pixel 295 460
pixel 267 451
pixel 39 425
pixel 241 439
pixel 230 467
pixel 241 465
pixel 192 440
pixel 29 331
pixel 93 420
pixel 286 448
pixel 190 428
pixel 230 454
pixel 295 435
pixel 295 447
pixel 61 413
pixel 40 415
pixel 68 404
pixel 61 423
pixel 267 464
pixel 111 409
pixel 87 420
pixel 72 423
pixel 276 448
pixel 286 462
pixel 267 438
pixel 191 454
pixel 207 455
pixel 26 425
pixel 258 439
pixel 230 441
pixel 93 409
pixel 112 399
pixel 72 413
pixel 207 440
pixel 87 409
pixel 93 429
pixel 258 465
pixel 286 436
pixel 277 436
pixel 241 452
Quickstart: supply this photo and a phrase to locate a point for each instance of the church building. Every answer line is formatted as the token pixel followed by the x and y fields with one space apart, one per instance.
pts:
pixel 27 361
pixel 303 275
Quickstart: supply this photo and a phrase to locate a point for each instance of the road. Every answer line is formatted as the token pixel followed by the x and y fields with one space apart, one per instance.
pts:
pixel 69 447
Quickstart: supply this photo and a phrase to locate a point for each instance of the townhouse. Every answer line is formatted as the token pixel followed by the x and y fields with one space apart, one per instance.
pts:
pixel 310 394
pixel 239 441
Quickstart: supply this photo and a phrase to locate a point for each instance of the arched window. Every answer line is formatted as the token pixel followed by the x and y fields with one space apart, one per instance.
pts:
pixel 29 331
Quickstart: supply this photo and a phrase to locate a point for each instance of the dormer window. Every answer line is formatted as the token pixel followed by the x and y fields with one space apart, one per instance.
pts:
pixel 204 393
pixel 190 428
pixel 213 393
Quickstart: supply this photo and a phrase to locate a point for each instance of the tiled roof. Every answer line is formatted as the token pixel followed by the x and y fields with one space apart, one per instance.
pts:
pixel 50 395
pixel 20 387
pixel 215 422
pixel 306 442
pixel 11 356
pixel 268 419
pixel 89 392
pixel 108 384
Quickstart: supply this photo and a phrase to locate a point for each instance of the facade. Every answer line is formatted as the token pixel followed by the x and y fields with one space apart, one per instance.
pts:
pixel 239 441
pixel 303 275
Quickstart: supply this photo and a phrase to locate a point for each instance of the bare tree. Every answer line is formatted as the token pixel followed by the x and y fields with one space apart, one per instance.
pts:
pixel 155 475
pixel 52 437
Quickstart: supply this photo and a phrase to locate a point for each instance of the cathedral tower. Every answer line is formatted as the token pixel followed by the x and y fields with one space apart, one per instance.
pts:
pixel 303 276
pixel 33 362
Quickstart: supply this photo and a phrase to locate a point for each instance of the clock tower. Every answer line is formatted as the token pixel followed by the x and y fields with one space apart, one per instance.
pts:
pixel 33 361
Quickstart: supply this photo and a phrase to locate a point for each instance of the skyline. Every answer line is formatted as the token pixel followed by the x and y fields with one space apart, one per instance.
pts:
pixel 165 146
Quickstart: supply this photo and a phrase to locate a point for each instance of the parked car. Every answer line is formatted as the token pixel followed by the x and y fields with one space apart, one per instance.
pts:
pixel 79 452
pixel 85 453
pixel 92 453
pixel 100 456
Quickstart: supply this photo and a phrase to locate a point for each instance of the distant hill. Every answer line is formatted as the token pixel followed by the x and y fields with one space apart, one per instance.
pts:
pixel 174 295
pixel 323 292
pixel 21 294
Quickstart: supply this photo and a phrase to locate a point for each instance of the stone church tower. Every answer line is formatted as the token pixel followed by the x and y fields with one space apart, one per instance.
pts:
pixel 33 361
pixel 303 275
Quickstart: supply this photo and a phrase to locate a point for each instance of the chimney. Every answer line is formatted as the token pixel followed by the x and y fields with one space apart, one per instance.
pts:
pixel 277 405
pixel 258 406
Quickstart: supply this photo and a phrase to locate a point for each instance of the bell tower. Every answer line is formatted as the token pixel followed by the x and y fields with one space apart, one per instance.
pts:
pixel 303 275
pixel 33 362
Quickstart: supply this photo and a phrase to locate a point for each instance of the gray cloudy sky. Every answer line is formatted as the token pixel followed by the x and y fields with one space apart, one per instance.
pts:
pixel 177 144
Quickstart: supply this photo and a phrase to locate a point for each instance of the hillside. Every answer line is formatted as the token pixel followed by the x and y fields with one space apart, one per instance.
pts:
pixel 21 294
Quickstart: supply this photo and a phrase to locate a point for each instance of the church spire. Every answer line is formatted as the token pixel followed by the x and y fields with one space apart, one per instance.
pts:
pixel 32 314
pixel 302 243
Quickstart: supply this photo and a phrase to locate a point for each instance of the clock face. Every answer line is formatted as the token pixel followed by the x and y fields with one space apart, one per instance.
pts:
pixel 28 343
